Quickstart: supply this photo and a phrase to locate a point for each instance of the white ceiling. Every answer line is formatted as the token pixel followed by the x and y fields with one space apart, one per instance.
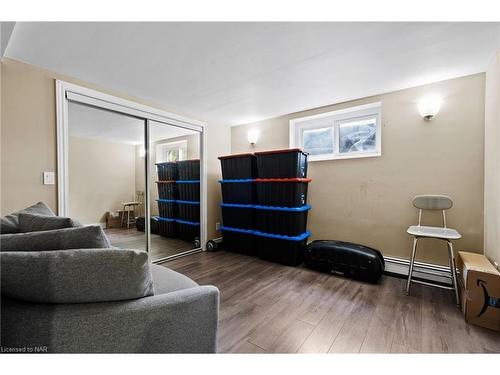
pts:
pixel 94 123
pixel 233 73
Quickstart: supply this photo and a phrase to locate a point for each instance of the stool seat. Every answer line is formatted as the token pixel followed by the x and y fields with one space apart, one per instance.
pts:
pixel 434 232
pixel 130 203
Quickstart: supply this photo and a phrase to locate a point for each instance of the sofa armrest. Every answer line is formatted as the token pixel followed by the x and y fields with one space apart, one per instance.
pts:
pixel 184 321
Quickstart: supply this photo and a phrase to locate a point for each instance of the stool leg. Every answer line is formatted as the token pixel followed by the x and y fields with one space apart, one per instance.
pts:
pixel 453 271
pixel 413 253
pixel 123 217
pixel 128 217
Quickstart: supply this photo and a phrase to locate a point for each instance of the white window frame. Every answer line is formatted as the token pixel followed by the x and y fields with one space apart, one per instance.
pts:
pixel 180 145
pixel 334 119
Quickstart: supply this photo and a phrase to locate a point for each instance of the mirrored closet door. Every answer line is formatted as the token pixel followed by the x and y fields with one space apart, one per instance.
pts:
pixel 138 178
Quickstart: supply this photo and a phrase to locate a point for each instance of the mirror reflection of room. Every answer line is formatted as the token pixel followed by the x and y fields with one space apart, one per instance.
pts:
pixel 174 189
pixel 107 178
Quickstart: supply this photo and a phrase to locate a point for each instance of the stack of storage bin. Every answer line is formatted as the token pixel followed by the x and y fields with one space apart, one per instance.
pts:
pixel 267 216
pixel 179 199
pixel 238 196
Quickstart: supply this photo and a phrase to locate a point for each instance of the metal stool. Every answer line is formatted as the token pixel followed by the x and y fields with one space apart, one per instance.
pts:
pixel 127 207
pixel 131 206
pixel 433 202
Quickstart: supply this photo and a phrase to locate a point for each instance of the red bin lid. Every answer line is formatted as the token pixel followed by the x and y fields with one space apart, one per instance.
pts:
pixel 284 151
pixel 235 156
pixel 305 180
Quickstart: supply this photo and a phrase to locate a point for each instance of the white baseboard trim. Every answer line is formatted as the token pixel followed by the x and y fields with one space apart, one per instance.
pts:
pixel 433 272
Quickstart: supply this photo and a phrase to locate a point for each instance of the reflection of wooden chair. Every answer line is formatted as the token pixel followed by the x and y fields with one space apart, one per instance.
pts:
pixel 131 207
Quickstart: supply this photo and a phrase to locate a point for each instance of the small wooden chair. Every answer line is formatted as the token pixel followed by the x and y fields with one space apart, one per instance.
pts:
pixel 131 207
pixel 433 202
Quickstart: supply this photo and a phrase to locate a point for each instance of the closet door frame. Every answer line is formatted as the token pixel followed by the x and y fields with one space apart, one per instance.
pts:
pixel 66 92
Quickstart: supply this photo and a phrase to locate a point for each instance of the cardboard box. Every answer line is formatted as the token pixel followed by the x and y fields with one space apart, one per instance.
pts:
pixel 113 219
pixel 479 283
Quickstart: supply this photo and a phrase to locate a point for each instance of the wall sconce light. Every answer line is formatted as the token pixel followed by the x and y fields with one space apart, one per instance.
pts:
pixel 429 106
pixel 253 136
pixel 142 152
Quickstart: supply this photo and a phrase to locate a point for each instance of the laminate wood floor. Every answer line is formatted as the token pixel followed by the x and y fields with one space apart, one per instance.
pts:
pixel 270 308
pixel 133 239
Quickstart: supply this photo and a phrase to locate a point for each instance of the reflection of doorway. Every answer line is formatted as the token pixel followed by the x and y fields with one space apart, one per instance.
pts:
pixel 128 138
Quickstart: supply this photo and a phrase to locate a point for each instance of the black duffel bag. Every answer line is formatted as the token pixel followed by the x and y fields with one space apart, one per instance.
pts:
pixel 345 258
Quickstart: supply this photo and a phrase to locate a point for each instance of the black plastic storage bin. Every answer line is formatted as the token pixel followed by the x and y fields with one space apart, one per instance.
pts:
pixel 188 231
pixel 288 221
pixel 238 215
pixel 290 163
pixel 167 189
pixel 140 224
pixel 167 208
pixel 189 190
pixel 281 249
pixel 188 210
pixel 189 169
pixel 167 227
pixel 242 166
pixel 241 241
pixel 238 191
pixel 282 192
pixel 167 171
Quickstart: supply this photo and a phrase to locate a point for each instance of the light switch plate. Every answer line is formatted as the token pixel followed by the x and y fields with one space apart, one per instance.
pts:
pixel 217 227
pixel 49 178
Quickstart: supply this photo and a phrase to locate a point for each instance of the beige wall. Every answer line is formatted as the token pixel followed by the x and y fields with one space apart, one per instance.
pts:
pixel 101 176
pixel 368 200
pixel 28 139
pixel 492 162
pixel 28 136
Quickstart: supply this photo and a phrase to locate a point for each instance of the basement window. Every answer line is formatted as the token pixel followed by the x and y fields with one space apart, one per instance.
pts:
pixel 347 133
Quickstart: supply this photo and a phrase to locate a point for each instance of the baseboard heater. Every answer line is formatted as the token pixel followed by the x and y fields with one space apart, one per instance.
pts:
pixel 424 271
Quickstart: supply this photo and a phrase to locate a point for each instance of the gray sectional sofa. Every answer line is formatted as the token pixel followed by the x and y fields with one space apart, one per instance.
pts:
pixel 66 290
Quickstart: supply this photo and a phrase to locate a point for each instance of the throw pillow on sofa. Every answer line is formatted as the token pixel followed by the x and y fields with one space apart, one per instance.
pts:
pixel 63 276
pixel 36 222
pixel 89 237
pixel 10 223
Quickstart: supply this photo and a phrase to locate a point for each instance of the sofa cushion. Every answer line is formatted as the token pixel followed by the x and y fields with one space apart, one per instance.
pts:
pixel 166 280
pixel 76 276
pixel 10 223
pixel 89 237
pixel 37 222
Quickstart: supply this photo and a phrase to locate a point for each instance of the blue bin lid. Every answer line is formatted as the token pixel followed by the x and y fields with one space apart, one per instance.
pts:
pixel 187 222
pixel 244 180
pixel 238 230
pixel 177 201
pixel 165 219
pixel 188 181
pixel 300 237
pixel 237 205
pixel 276 208
pixel 188 202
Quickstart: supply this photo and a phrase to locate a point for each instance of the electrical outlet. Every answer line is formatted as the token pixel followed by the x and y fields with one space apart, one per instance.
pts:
pixel 49 178
pixel 217 227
